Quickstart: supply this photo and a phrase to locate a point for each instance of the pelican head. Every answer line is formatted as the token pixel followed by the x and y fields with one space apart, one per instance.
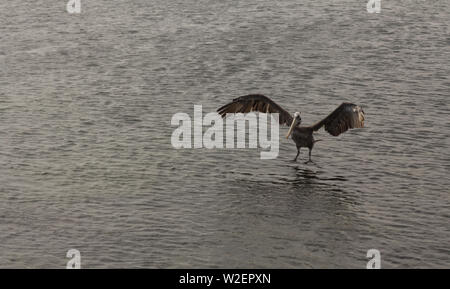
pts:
pixel 297 120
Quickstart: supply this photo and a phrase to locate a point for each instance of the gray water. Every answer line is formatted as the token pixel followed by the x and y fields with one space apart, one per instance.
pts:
pixel 86 160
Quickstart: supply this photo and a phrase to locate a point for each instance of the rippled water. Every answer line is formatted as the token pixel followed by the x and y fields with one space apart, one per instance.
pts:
pixel 86 160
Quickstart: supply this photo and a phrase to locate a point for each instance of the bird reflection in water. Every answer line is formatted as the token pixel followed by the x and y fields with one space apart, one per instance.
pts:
pixel 309 179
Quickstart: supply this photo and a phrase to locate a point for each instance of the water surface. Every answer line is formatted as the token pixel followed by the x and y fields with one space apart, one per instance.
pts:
pixel 86 160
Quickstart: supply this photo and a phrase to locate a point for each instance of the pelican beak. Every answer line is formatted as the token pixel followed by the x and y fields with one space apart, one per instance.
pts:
pixel 291 128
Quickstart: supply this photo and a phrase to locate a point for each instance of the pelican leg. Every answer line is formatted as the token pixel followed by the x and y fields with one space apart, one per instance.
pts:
pixel 298 152
pixel 310 160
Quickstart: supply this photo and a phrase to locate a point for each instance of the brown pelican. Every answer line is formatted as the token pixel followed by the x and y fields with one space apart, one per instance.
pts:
pixel 344 117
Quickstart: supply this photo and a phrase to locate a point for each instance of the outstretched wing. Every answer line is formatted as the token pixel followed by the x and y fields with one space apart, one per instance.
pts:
pixel 343 118
pixel 256 102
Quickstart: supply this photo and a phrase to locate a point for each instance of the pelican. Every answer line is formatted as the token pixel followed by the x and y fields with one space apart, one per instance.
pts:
pixel 346 116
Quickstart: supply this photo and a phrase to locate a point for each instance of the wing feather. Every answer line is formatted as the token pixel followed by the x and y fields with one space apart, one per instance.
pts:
pixel 343 118
pixel 256 102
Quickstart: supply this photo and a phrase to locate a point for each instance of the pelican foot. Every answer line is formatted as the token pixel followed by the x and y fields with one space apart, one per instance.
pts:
pixel 309 161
